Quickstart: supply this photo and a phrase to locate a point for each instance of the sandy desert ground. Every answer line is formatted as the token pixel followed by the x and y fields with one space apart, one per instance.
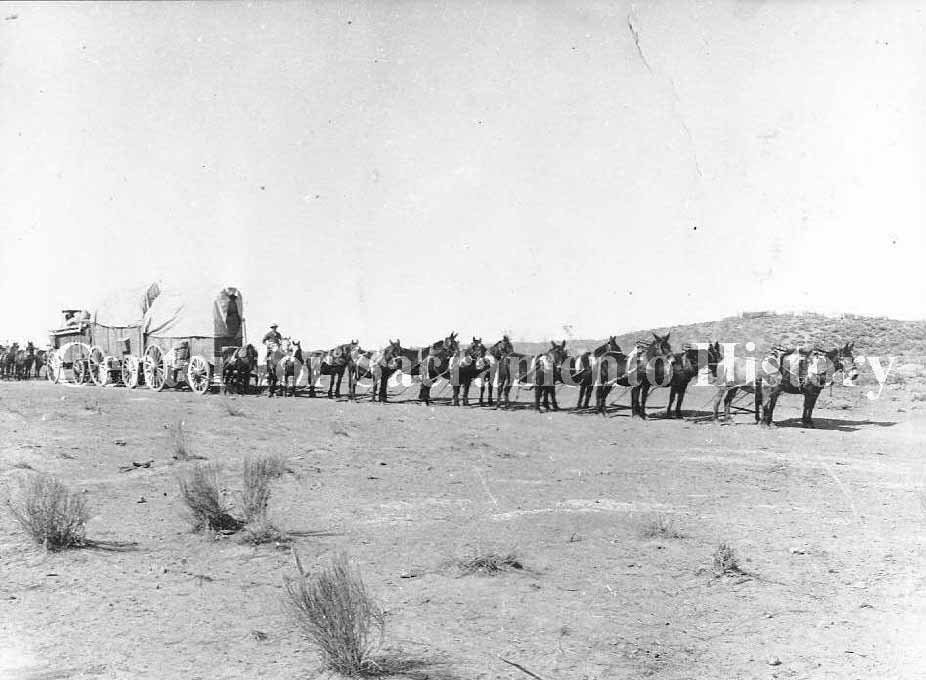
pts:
pixel 829 525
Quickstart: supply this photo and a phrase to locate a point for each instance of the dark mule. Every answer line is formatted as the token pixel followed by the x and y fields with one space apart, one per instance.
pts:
pixel 334 363
pixel 686 366
pixel 806 373
pixel 435 363
pixel 24 358
pixel 585 368
pixel 500 356
pixel 393 358
pixel 237 369
pixel 544 370
pixel 634 370
pixel 465 368
pixel 41 357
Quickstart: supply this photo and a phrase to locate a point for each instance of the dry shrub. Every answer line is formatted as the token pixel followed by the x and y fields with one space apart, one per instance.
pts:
pixel 255 498
pixel 200 491
pixel 489 563
pixel 337 615
pixel 726 563
pixel 51 514
pixel 659 526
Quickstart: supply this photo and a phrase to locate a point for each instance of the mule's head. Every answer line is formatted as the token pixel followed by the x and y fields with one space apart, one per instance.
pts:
pixel 660 346
pixel 714 357
pixel 557 353
pixel 845 362
pixel 451 344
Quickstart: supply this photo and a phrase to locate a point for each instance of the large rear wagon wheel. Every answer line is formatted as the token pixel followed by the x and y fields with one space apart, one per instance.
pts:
pixel 155 369
pixel 199 374
pixel 96 363
pixel 131 371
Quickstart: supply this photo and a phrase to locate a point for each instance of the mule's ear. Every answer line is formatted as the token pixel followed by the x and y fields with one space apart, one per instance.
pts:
pixel 666 338
pixel 656 336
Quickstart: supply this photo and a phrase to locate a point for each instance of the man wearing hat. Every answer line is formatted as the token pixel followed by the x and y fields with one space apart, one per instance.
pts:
pixel 272 336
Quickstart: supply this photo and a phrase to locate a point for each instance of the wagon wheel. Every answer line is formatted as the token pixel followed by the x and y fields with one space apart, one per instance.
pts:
pixel 130 371
pixel 155 368
pixel 53 367
pixel 96 363
pixel 199 374
pixel 80 371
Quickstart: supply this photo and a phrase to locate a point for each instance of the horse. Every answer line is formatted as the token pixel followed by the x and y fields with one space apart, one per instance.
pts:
pixel 237 369
pixel 586 367
pixel 334 363
pixel 466 367
pixel 546 369
pixel 805 373
pixel 686 366
pixel 633 371
pixel 284 361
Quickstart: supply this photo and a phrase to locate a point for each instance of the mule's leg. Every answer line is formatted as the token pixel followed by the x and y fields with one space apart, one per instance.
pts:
pixel 456 395
pixel 758 400
pixel 466 385
pixel 679 398
pixel 634 401
pixel 673 393
pixel 810 399
pixel 553 397
pixel 727 400
pixel 769 408
pixel 644 392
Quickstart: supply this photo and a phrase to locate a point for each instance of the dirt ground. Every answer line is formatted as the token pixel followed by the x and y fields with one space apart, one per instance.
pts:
pixel 829 526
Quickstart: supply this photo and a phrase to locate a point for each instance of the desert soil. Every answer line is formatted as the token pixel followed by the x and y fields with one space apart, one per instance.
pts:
pixel 828 525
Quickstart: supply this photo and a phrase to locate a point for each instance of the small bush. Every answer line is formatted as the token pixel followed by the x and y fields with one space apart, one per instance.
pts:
pixel 200 491
pixel 263 531
pixel 726 562
pixel 51 514
pixel 337 615
pixel 489 563
pixel 659 526
pixel 255 497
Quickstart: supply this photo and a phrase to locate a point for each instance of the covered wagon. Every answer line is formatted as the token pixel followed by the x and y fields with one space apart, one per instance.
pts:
pixel 160 337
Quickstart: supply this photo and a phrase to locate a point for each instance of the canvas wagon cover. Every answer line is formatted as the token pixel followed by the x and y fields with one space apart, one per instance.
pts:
pixel 174 312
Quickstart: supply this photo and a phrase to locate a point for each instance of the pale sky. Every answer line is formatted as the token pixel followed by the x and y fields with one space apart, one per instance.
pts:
pixel 390 169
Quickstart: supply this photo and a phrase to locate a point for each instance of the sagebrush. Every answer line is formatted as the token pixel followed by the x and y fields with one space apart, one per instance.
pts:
pixel 337 615
pixel 53 515
pixel 199 489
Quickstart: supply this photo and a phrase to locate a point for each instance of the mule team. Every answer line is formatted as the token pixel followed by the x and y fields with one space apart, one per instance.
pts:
pixel 597 372
pixel 20 363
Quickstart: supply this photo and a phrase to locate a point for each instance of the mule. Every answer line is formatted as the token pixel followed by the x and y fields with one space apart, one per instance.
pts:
pixel 466 367
pixel 334 363
pixel 393 358
pixel 633 370
pixel 283 362
pixel 499 372
pixel 546 371
pixel 805 374
pixel 238 368
pixel 685 367
pixel 435 363
pixel 585 369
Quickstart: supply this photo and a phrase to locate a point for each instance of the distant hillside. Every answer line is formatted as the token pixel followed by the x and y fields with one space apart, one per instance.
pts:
pixel 872 335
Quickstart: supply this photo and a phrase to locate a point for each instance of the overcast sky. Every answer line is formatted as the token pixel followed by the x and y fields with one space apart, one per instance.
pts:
pixel 385 169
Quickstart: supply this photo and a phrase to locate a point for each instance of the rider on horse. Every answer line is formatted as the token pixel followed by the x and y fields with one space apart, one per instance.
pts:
pixel 272 336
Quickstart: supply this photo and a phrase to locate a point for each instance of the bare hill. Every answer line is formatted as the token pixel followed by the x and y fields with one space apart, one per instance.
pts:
pixel 872 335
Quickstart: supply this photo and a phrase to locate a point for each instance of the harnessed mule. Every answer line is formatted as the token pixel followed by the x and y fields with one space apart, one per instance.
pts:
pixel 334 363
pixel 238 368
pixel 686 366
pixel 806 374
pixel 633 371
pixel 467 367
pixel 283 362
pixel 586 368
pixel 436 364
